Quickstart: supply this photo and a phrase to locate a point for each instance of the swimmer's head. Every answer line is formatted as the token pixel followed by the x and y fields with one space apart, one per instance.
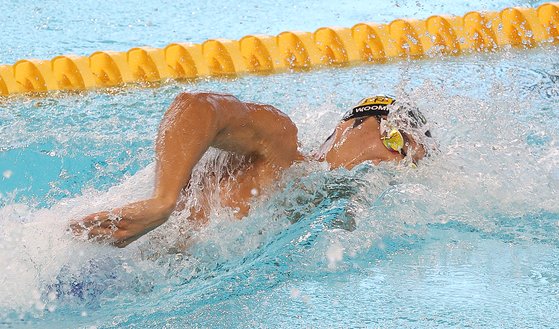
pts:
pixel 399 125
pixel 386 107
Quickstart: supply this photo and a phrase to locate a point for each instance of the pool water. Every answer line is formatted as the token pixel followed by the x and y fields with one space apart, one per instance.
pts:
pixel 468 239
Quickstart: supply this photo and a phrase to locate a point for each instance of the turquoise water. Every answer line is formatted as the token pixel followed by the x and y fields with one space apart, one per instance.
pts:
pixel 468 239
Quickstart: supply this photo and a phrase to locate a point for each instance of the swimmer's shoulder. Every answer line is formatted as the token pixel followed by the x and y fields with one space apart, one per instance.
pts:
pixel 271 120
pixel 215 99
pixel 264 117
pixel 228 101
pixel 226 108
pixel 268 113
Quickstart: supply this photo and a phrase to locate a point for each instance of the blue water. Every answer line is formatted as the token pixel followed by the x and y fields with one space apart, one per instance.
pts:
pixel 468 239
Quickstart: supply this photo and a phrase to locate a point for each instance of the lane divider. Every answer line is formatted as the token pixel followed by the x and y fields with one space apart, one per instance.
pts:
pixel 296 51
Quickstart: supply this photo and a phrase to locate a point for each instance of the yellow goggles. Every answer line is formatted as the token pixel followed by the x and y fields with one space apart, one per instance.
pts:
pixel 393 140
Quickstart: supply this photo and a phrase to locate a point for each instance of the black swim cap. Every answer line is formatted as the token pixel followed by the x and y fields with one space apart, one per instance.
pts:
pixel 382 105
pixel 370 106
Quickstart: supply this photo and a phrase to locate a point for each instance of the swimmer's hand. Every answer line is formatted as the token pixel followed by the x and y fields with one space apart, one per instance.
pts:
pixel 122 226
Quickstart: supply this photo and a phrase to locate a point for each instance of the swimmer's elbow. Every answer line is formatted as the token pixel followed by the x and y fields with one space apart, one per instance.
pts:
pixel 193 107
pixel 194 101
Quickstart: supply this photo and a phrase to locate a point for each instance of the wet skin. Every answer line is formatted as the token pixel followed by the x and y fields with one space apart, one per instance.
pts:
pixel 266 137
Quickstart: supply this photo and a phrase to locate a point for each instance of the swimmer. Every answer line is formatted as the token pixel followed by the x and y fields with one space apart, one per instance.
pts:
pixel 376 130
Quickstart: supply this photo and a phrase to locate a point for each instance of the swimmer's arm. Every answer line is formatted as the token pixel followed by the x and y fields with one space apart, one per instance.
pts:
pixel 187 130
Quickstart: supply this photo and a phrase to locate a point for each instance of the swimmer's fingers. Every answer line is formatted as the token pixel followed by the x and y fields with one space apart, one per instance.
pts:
pixel 110 234
pixel 124 243
pixel 104 219
pixel 123 237
pixel 79 227
pixel 94 219
pixel 100 234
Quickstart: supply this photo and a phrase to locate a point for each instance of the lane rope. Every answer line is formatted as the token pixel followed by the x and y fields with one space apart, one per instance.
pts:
pixel 401 39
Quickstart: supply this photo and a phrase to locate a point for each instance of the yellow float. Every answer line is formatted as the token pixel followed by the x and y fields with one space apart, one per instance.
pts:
pixel 295 51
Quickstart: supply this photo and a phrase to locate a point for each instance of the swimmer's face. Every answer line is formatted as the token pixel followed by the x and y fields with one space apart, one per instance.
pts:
pixel 355 141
